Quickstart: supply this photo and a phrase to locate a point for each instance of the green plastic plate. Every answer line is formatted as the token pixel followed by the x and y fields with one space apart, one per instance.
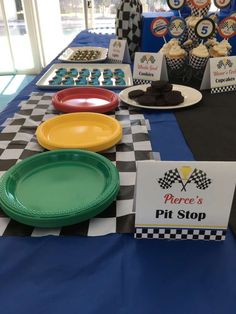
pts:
pixel 59 188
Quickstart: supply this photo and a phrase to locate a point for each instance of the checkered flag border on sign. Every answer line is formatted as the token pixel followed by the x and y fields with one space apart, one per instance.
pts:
pixel 223 89
pixel 180 234
pixel 169 178
pixel 199 177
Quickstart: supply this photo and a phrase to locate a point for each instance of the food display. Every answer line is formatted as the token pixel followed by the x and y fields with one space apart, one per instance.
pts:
pixel 99 75
pixel 160 93
pixel 84 54
pixel 198 37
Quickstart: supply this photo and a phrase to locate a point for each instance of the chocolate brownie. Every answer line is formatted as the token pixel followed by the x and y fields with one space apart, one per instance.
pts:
pixel 152 91
pixel 159 85
pixel 146 100
pixel 136 93
pixel 167 88
pixel 173 98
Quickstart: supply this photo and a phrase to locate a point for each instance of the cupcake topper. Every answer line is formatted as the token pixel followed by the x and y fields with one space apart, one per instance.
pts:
pixel 221 4
pixel 214 17
pixel 177 27
pixel 176 4
pixel 205 28
pixel 200 4
pixel 233 14
pixel 227 27
pixel 159 27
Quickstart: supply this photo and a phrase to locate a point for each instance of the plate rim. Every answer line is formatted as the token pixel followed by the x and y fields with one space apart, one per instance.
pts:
pixel 58 103
pixel 11 204
pixel 95 147
pixel 180 106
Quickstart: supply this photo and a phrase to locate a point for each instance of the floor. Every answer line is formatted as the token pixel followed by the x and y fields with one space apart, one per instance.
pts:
pixel 10 86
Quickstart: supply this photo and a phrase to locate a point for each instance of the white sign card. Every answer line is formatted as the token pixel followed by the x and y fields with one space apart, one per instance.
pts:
pixel 149 66
pixel 183 200
pixel 220 74
pixel 118 51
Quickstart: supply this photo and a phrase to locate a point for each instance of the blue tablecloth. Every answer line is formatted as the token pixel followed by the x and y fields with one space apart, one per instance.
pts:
pixel 117 273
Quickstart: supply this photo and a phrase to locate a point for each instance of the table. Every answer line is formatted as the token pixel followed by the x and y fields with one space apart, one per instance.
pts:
pixel 117 273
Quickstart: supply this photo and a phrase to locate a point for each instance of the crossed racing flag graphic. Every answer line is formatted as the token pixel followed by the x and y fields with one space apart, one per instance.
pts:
pixel 196 176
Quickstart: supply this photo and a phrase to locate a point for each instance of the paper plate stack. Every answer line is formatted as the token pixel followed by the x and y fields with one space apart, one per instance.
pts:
pixel 85 99
pixel 83 130
pixel 58 188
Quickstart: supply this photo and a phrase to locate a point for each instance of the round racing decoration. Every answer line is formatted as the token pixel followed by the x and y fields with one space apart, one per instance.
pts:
pixel 205 28
pixel 159 26
pixel 177 27
pixel 227 27
pixel 200 4
pixel 214 17
pixel 175 4
pixel 221 4
pixel 233 14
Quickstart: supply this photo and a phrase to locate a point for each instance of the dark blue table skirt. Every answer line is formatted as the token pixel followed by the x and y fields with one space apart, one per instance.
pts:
pixel 116 273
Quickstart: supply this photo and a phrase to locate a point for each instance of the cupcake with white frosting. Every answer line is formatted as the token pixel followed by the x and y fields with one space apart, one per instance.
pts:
pixel 198 57
pixel 221 49
pixel 167 46
pixel 176 57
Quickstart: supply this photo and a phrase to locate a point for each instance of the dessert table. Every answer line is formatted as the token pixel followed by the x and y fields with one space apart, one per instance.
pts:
pixel 115 272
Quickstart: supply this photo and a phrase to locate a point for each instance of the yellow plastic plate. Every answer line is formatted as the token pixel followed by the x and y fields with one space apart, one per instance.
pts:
pixel 84 130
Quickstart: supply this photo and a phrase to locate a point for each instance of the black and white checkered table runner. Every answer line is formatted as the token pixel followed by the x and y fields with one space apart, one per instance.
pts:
pixel 18 141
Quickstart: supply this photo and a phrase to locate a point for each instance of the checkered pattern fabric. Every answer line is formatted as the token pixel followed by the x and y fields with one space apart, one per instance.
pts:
pixel 199 177
pixel 180 234
pixel 170 177
pixel 197 63
pixel 200 12
pixel 192 35
pixel 223 89
pixel 128 23
pixel 175 63
pixel 18 141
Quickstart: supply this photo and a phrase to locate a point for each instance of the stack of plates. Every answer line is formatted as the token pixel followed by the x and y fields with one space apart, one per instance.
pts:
pixel 83 130
pixel 85 99
pixel 58 188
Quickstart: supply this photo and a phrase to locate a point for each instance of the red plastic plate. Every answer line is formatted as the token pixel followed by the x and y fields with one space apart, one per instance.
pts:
pixel 85 99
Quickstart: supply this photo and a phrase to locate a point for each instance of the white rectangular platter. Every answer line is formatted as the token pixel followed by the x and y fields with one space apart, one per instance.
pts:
pixel 84 54
pixel 54 78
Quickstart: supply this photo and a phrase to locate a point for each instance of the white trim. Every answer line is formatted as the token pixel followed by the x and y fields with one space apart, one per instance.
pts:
pixel 8 35
pixel 32 30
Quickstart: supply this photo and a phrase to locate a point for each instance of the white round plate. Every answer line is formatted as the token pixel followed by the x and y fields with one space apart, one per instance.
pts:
pixel 191 97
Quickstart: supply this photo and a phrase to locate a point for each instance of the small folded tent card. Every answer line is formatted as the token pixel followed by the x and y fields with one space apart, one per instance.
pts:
pixel 220 75
pixel 118 51
pixel 183 200
pixel 149 67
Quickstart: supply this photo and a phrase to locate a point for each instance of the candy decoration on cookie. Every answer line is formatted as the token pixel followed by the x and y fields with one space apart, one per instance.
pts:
pixel 119 73
pixel 95 73
pixel 107 73
pixel 73 72
pixel 84 72
pixel 61 71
